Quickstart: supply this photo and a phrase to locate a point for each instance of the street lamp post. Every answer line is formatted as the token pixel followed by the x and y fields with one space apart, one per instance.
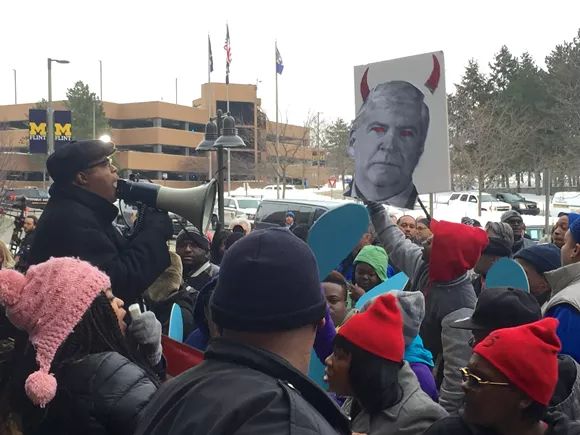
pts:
pixel 101 79
pixel 15 89
pixel 220 135
pixel 49 109
pixel 50 113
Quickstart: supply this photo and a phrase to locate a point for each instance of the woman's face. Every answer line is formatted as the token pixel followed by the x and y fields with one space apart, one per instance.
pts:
pixel 366 277
pixel 117 305
pixel 336 373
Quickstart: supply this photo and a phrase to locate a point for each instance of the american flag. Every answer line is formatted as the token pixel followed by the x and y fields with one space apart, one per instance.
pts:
pixel 228 50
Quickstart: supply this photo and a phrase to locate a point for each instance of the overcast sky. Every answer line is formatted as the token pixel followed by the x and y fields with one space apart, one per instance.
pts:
pixel 145 45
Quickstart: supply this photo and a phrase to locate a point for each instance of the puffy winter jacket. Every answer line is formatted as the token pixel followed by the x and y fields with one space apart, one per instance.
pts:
pixel 449 295
pixel 103 393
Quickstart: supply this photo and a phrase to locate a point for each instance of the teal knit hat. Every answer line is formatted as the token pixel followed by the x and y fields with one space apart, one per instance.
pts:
pixel 376 257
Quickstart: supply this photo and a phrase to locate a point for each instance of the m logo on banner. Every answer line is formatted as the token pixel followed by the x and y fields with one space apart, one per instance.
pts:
pixel 37 125
pixel 37 130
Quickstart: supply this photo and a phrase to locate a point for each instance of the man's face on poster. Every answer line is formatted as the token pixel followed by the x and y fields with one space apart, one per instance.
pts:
pixel 389 139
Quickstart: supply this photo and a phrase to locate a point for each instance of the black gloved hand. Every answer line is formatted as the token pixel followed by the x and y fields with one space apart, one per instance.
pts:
pixel 157 220
pixel 374 208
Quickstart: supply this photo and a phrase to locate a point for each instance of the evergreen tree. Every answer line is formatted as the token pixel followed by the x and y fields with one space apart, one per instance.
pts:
pixel 503 69
pixel 80 101
pixel 337 136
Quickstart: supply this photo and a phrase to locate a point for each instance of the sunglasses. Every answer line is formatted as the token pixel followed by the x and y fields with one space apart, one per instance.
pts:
pixel 475 381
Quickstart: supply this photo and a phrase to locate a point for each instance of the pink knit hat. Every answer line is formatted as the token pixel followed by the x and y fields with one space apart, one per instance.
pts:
pixel 48 303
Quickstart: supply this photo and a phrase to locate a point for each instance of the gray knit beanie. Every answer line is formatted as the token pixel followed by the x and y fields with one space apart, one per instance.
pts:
pixel 412 306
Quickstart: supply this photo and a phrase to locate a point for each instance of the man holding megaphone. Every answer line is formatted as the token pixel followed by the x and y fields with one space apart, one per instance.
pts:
pixel 77 221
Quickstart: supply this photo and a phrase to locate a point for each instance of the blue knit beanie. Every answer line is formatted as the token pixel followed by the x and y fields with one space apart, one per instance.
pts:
pixel 574 228
pixel 543 258
pixel 572 217
pixel 268 282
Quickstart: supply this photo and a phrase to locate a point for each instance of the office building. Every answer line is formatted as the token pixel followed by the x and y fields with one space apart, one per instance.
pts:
pixel 158 140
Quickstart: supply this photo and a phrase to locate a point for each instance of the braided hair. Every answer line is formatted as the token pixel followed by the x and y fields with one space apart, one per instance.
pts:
pixel 98 331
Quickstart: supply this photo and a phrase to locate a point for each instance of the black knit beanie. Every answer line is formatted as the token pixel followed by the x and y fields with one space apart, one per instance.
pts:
pixel 268 282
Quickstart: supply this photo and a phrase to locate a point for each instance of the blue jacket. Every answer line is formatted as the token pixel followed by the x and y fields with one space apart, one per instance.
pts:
pixel 564 305
pixel 568 328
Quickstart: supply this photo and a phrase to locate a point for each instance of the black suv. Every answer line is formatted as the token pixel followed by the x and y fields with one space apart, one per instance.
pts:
pixel 519 203
pixel 33 197
pixel 272 212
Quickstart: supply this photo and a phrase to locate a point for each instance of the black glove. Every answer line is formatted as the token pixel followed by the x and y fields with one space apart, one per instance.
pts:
pixel 374 208
pixel 157 220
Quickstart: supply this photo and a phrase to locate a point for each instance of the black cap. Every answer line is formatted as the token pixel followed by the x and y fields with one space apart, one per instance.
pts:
pixel 72 158
pixel 501 307
pixel 268 282
pixel 498 247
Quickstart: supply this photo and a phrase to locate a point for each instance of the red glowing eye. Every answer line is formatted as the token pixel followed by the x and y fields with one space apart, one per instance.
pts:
pixel 406 133
pixel 378 129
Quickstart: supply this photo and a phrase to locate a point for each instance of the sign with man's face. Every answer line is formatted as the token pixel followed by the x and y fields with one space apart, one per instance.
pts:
pixel 399 138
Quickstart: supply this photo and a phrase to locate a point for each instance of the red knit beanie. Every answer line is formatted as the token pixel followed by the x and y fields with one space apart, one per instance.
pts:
pixel 527 355
pixel 455 249
pixel 378 330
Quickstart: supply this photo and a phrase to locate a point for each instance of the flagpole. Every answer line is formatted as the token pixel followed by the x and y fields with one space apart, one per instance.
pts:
pixel 228 111
pixel 228 81
pixel 209 61
pixel 277 134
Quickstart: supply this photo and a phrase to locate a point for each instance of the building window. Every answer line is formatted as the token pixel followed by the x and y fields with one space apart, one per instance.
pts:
pixel 123 124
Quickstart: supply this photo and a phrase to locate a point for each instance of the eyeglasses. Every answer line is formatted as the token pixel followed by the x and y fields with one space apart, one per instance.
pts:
pixel 107 161
pixel 476 382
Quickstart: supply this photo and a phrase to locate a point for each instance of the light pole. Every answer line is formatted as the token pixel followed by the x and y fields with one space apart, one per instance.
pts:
pixel 15 92
pixel 318 146
pixel 49 109
pixel 219 136
pixel 101 79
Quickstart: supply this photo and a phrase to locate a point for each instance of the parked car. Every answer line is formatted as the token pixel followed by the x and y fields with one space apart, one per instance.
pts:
pixel 566 202
pixel 272 212
pixel 236 207
pixel 519 203
pixel 488 202
pixel 33 197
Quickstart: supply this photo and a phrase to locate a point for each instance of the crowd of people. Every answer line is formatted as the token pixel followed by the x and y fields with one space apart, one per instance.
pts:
pixel 446 354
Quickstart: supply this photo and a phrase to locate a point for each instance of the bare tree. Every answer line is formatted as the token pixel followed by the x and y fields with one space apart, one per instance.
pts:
pixel 8 151
pixel 196 163
pixel 290 149
pixel 484 139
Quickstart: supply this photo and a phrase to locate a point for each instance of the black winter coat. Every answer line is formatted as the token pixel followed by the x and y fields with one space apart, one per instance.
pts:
pixel 241 390
pixel 103 394
pixel 78 223
pixel 558 424
pixel 186 301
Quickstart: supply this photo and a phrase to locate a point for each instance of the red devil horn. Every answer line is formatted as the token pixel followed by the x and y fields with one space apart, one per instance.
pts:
pixel 433 81
pixel 364 86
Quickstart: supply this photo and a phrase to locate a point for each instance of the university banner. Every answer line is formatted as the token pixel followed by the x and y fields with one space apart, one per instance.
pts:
pixel 37 125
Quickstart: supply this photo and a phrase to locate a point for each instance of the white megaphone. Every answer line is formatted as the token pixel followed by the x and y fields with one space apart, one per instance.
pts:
pixel 194 204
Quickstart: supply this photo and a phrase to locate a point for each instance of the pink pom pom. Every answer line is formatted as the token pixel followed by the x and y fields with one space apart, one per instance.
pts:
pixel 40 387
pixel 11 284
